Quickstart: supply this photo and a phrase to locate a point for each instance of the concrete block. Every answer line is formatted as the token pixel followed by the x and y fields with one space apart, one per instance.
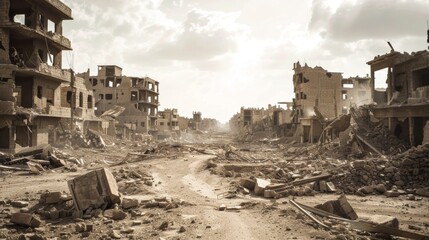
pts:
pixel 115 214
pixel 96 189
pixel 340 207
pixel 129 203
pixel 270 194
pixel 260 186
pixel 422 192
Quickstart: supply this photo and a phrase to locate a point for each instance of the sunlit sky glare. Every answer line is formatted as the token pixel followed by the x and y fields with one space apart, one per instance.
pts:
pixel 217 56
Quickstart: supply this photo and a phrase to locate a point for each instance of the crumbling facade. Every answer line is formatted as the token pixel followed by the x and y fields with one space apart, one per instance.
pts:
pixel 35 93
pixel 316 87
pixel 405 107
pixel 139 97
pixel 168 120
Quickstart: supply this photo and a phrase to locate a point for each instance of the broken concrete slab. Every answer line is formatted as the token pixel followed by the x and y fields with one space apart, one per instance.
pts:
pixel 260 186
pixel 43 151
pixel 115 214
pixel 96 189
pixel 384 220
pixel 129 203
pixel 340 207
pixel 25 220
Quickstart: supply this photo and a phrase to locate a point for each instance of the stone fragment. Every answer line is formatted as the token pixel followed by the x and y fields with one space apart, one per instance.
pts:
pixel 260 186
pixel 182 229
pixel 129 203
pixel 25 219
pixel 340 207
pixel 115 214
pixel 19 204
pixel 424 192
pixel 384 220
pixel 381 188
pixel 392 193
pixel 365 190
pixel 270 194
pixel 222 207
pixel 331 187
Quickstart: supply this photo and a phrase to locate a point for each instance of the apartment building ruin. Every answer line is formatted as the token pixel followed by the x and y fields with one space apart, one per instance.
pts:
pixel 271 121
pixel 36 95
pixel 168 120
pixel 138 96
pixel 405 105
pixel 321 96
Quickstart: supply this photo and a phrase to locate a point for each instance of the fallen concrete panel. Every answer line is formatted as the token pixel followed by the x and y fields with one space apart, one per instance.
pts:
pixel 96 189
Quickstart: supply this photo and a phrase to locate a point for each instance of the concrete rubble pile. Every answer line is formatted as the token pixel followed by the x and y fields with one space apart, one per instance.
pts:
pixel 35 159
pixel 75 139
pixel 404 173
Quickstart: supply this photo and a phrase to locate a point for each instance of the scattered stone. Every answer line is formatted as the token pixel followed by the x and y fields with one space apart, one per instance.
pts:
pixel 260 186
pixel 340 207
pixel 19 204
pixel 384 220
pixel 25 219
pixel 163 226
pixel 182 229
pixel 115 214
pixel 129 203
pixel 222 207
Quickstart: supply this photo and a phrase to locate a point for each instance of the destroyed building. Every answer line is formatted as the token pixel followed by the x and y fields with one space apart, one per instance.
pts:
pixel 36 95
pixel 195 122
pixel 356 91
pixel 404 106
pixel 168 120
pixel 321 96
pixel 138 96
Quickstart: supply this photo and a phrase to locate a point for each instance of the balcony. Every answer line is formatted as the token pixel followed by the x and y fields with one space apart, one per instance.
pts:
pixel 151 103
pixel 19 31
pixel 46 71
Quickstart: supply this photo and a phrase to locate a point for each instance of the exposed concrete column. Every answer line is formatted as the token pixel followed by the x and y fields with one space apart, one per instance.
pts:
pixel 4 10
pixel 59 27
pixel 390 124
pixel 58 60
pixel 372 84
pixel 411 130
pixel 4 38
pixel 389 84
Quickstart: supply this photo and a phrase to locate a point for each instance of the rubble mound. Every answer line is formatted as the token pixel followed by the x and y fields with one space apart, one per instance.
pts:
pixel 414 167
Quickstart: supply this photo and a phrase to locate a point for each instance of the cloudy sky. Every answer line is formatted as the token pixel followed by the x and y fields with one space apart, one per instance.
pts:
pixel 215 56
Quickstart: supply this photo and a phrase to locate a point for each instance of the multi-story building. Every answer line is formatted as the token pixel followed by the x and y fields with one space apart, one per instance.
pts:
pixel 35 93
pixel 139 97
pixel 168 120
pixel 316 87
pixel 405 105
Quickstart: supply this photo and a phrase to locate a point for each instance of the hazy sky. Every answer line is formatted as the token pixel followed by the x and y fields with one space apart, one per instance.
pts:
pixel 215 56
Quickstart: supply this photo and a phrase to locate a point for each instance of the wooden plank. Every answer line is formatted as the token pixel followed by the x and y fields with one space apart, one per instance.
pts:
pixel 14 168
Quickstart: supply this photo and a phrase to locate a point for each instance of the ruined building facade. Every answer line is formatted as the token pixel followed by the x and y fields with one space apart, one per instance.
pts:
pixel 35 93
pixel 137 95
pixel 168 120
pixel 405 104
